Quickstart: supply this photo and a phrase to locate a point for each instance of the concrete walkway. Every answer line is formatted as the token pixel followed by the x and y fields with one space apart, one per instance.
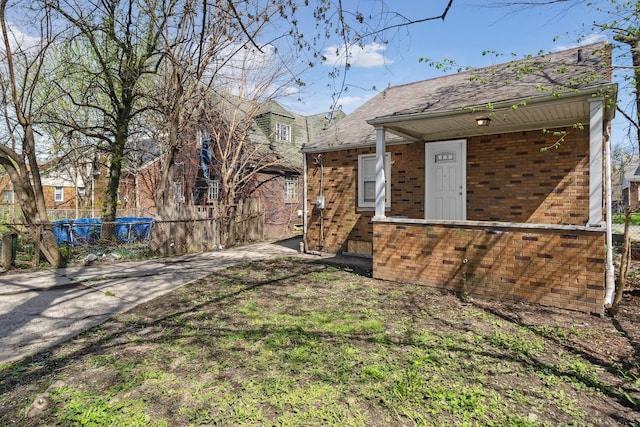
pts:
pixel 41 309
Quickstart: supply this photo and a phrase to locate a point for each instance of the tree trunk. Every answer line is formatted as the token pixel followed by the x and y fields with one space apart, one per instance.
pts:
pixel 625 261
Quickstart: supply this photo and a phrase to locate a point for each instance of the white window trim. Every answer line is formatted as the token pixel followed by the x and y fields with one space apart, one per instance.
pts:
pixel 279 127
pixel 58 194
pixel 387 174
pixel 178 195
pixel 213 190
pixel 295 183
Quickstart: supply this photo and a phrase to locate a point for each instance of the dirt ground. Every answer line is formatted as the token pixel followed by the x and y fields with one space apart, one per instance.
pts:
pixel 619 340
pixel 321 329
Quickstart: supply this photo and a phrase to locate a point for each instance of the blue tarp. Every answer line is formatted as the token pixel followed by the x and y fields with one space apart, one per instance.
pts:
pixel 88 230
pixel 77 231
pixel 133 229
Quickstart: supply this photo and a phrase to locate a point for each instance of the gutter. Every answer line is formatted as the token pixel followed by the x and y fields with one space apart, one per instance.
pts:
pixel 583 93
pixel 304 203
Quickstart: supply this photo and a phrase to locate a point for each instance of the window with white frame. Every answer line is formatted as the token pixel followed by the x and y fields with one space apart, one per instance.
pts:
pixel 177 191
pixel 367 180
pixel 82 192
pixel 7 196
pixel 58 194
pixel 283 132
pixel 291 189
pixel 214 190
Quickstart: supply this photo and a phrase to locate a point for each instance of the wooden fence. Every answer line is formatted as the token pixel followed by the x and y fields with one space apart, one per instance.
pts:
pixel 185 229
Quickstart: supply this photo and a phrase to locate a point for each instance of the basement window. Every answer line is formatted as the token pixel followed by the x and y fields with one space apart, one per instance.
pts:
pixel 7 196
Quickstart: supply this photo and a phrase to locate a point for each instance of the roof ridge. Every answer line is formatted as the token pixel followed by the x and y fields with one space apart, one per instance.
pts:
pixel 558 53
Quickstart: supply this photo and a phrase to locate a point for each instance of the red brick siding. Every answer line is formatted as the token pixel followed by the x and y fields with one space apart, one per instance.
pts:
pixel 281 215
pixel 68 199
pixel 632 191
pixel 555 268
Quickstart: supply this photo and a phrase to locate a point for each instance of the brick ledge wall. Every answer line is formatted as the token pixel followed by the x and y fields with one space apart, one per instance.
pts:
pixel 560 268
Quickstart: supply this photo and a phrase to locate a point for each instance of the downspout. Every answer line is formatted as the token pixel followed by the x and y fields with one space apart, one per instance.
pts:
pixel 321 195
pixel 610 285
pixel 304 203
pixel 317 161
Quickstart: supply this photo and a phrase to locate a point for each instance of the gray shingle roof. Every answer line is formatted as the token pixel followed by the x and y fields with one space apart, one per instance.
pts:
pixel 542 76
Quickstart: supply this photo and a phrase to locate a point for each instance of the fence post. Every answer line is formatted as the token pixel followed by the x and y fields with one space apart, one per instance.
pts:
pixel 9 245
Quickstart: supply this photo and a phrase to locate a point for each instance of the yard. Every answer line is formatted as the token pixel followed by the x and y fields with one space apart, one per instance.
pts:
pixel 296 343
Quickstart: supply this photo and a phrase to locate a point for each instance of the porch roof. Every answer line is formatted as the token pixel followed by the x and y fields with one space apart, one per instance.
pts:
pixel 547 91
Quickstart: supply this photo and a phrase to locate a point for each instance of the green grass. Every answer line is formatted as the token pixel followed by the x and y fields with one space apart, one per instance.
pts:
pixel 619 219
pixel 292 343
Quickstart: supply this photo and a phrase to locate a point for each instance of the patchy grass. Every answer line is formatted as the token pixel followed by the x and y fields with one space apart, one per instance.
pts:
pixel 294 343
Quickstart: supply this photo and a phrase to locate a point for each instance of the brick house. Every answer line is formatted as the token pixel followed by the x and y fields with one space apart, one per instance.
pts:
pixel 630 185
pixel 279 187
pixel 65 192
pixel 448 182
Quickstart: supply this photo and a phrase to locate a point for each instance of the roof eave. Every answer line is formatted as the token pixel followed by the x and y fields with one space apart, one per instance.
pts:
pixel 610 88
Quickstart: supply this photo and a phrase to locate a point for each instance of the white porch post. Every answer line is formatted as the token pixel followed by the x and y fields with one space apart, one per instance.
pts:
pixel 380 176
pixel 595 161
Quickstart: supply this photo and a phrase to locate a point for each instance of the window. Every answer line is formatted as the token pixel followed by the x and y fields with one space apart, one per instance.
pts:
pixel 214 190
pixel 7 196
pixel 283 132
pixel 291 189
pixel 177 191
pixel 81 192
pixel 58 194
pixel 367 180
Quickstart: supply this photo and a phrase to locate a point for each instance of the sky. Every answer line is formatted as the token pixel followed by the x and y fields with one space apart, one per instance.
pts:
pixel 470 28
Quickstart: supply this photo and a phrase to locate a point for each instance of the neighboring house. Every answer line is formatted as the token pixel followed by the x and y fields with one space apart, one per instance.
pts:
pixel 279 132
pixel 62 191
pixel 8 198
pixel 280 188
pixel 445 182
pixel 65 192
pixel 630 185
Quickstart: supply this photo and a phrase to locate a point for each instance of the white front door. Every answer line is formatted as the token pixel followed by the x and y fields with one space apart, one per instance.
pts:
pixel 445 176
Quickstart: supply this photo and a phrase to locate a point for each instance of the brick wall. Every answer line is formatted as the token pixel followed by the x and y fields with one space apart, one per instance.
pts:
pixel 557 268
pixel 632 191
pixel 281 216
pixel 68 199
pixel 342 220
pixel 508 179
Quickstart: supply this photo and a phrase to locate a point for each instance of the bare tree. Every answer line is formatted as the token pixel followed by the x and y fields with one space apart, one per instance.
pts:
pixel 113 47
pixel 199 46
pixel 23 96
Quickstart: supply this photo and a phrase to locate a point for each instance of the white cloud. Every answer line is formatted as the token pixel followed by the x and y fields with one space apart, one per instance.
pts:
pixel 347 101
pixel 591 38
pixel 20 40
pixel 258 74
pixel 291 90
pixel 368 56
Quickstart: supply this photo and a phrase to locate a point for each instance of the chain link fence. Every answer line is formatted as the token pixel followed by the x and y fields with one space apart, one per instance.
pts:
pixel 88 240
pixel 80 241
pixel 633 232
